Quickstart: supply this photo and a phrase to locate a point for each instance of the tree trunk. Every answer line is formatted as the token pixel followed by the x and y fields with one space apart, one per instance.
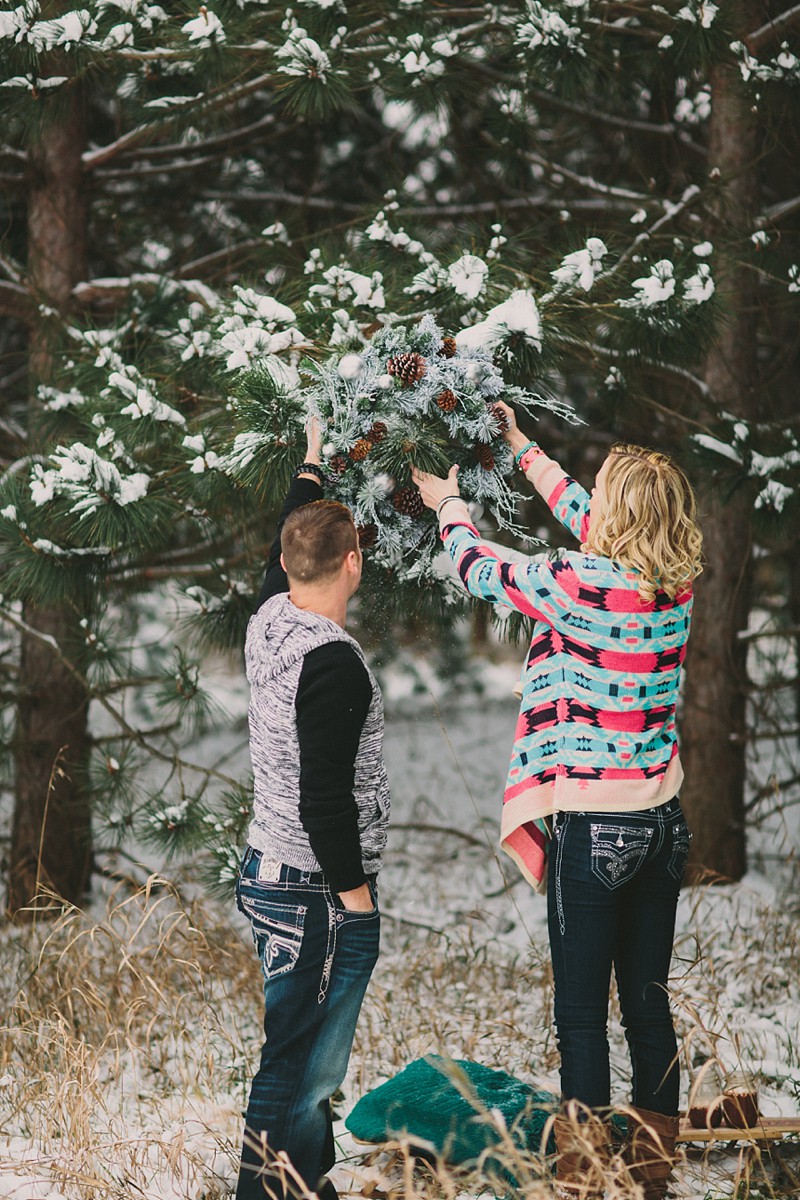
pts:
pixel 794 617
pixel 51 835
pixel 712 731
pixel 713 726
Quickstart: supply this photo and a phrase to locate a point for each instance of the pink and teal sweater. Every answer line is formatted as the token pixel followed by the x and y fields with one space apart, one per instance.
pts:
pixel 596 729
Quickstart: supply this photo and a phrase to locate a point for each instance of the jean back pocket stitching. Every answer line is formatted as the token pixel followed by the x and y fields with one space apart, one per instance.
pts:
pixel 623 856
pixel 681 846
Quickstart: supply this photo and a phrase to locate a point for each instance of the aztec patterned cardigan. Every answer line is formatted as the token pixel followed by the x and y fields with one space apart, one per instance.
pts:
pixel 596 729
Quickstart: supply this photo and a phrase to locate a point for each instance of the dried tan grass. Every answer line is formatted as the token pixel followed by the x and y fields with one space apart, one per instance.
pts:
pixel 115 1030
pixel 129 1040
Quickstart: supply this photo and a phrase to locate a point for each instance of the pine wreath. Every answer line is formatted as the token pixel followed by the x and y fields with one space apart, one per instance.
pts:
pixel 410 398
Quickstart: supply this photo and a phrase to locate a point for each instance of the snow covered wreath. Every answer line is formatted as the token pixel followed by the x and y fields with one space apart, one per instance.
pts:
pixel 415 397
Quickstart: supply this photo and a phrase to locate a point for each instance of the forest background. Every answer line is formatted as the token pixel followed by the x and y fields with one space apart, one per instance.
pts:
pixel 198 203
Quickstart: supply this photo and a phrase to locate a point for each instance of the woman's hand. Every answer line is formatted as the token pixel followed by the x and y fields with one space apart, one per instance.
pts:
pixel 512 434
pixel 433 489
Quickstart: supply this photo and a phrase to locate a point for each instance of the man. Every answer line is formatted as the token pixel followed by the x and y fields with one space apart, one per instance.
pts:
pixel 307 880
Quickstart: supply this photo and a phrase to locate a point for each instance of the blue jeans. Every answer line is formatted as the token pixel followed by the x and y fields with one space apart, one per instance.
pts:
pixel 316 959
pixel 613 883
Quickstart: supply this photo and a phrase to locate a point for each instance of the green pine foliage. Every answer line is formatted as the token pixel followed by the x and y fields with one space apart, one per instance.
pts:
pixel 271 187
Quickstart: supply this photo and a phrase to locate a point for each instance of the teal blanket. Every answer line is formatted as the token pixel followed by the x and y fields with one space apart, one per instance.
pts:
pixel 454 1108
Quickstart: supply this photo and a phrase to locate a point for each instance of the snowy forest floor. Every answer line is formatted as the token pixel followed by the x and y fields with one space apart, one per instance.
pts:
pixel 131 1029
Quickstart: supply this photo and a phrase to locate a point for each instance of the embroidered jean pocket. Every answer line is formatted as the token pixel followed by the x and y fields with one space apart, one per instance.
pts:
pixel 277 931
pixel 681 844
pixel 618 851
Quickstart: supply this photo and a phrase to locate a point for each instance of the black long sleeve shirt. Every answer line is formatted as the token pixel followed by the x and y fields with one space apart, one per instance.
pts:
pixel 333 696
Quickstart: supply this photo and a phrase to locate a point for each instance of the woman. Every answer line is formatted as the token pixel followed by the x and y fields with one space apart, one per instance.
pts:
pixel 595 773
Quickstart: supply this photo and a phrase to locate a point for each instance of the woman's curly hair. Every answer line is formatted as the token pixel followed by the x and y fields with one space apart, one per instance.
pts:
pixel 648 521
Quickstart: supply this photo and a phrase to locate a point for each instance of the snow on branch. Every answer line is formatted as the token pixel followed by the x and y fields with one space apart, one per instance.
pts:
pixel 436 211
pixel 671 213
pixel 650 365
pixel 202 145
pixel 87 480
pixel 317 202
pixel 116 290
pixel 167 168
pixel 133 139
pixel 668 129
pixel 585 181
pixel 772 30
pixel 776 212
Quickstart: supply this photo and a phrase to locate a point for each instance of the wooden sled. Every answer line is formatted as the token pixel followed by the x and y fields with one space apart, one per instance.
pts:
pixel 768 1129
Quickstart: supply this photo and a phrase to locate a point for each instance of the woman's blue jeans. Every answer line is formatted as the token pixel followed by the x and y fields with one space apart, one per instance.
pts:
pixel 613 883
pixel 316 959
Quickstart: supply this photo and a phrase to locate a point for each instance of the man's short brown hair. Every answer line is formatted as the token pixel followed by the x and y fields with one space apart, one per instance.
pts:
pixel 316 539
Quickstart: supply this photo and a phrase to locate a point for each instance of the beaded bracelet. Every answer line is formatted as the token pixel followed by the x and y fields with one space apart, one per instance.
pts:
pixel 444 501
pixel 310 469
pixel 528 446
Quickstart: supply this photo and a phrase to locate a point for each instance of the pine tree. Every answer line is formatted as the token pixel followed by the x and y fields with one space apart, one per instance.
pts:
pixel 201 207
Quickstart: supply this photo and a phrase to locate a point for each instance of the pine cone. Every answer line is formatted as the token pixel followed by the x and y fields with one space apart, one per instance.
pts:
pixel 338 464
pixel 484 456
pixel 449 347
pixel 367 536
pixel 377 433
pixel 500 417
pixel 407 500
pixel 407 367
pixel 447 400
pixel 361 449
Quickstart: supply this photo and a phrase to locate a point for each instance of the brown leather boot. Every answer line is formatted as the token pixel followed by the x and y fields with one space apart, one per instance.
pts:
pixel 650 1150
pixel 583 1152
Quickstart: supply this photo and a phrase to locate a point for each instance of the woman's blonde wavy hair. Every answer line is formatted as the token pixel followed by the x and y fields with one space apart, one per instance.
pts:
pixel 648 521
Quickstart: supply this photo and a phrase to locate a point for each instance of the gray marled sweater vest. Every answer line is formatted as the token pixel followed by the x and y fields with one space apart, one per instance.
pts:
pixel 278 638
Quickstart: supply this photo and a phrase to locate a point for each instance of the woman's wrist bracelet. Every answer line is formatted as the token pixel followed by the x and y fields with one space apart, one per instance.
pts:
pixel 307 468
pixel 520 453
pixel 443 501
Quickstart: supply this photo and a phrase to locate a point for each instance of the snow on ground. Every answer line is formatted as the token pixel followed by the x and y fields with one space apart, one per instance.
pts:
pixel 135 1085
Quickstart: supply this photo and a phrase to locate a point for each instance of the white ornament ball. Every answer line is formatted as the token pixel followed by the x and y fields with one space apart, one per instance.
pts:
pixel 384 483
pixel 328 450
pixel 352 366
pixel 385 382
pixel 475 372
